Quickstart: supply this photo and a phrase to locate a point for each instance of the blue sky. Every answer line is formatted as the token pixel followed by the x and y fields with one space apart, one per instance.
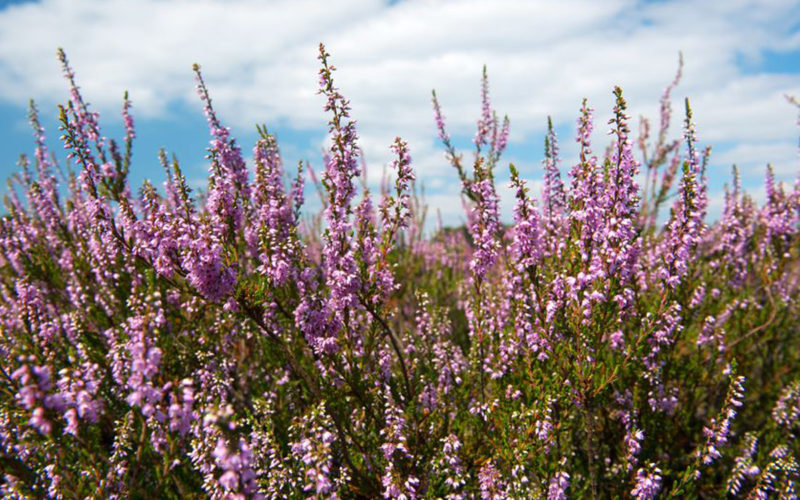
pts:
pixel 259 59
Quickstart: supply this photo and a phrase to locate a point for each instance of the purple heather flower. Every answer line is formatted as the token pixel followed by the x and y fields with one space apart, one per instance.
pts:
pixel 145 361
pixel 719 429
pixel 396 220
pixel 228 180
pixel 487 121
pixel 181 413
pixel 553 195
pixel 633 441
pixel 620 246
pixel 744 467
pixel 341 271
pixel 648 483
pixel 451 466
pixel 491 483
pixel 484 224
pixel 439 119
pixel 271 235
pixel 204 262
pixel 313 450
pixel 557 490
pixel 787 409
pixel 685 229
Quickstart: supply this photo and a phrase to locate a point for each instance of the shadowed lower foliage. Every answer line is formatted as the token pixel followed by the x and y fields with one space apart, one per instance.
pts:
pixel 161 344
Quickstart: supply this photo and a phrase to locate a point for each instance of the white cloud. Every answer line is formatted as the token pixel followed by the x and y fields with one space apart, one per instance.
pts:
pixel 752 159
pixel 259 59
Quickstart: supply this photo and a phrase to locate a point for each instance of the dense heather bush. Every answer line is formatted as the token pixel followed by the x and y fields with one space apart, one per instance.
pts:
pixel 164 346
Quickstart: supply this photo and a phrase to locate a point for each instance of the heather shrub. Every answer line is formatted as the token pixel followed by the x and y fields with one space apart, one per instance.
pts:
pixel 161 344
